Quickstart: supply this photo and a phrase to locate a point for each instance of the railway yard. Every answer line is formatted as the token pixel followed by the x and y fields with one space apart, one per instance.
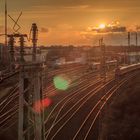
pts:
pixel 73 112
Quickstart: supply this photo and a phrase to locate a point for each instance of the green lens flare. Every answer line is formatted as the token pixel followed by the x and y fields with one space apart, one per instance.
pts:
pixel 60 83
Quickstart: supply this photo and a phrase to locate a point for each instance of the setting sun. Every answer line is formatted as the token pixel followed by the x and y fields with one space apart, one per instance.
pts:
pixel 102 26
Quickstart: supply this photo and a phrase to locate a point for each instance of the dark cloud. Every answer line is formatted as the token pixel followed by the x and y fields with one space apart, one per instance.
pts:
pixel 111 29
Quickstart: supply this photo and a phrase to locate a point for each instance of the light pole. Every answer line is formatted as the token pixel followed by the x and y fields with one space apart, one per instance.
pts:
pixel 103 60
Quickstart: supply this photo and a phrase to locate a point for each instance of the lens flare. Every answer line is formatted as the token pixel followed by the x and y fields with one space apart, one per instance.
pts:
pixel 40 105
pixel 61 82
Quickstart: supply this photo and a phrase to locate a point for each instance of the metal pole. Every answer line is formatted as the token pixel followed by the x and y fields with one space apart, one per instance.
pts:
pixel 5 55
pixel 103 60
pixel 136 39
pixel 24 84
pixel 22 48
pixel 117 71
pixel 129 34
pixel 11 51
pixel 129 44
pixel 34 40
pixel 21 106
pixel 137 53
pixel 31 122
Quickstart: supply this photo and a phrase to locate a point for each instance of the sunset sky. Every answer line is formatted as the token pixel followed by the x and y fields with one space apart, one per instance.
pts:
pixel 67 21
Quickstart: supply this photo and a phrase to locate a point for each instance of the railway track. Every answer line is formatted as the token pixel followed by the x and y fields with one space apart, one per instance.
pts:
pixel 65 71
pixel 9 105
pixel 87 128
pixel 72 94
pixel 69 109
pixel 76 120
pixel 9 109
pixel 75 76
pixel 8 76
pixel 76 108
